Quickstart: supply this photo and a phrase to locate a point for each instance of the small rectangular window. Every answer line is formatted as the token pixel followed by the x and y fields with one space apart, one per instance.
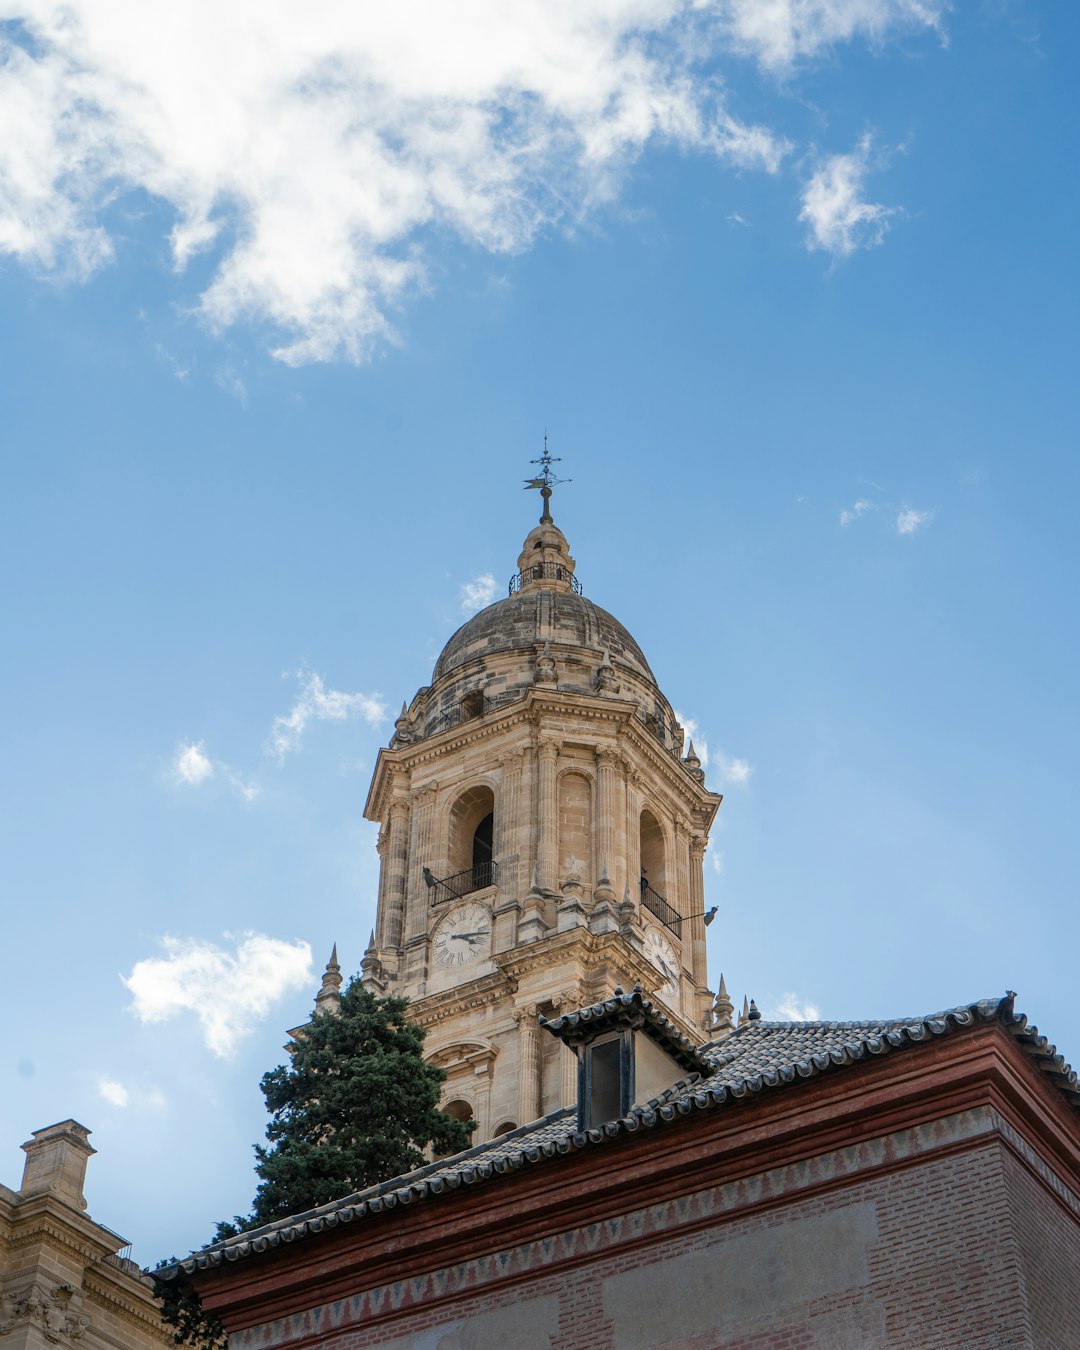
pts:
pixel 605 1067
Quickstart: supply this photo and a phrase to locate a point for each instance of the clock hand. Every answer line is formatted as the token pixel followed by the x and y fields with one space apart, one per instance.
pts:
pixel 667 969
pixel 478 932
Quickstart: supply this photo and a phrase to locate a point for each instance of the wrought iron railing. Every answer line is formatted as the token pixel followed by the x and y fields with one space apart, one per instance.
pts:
pixel 547 571
pixel 655 903
pixel 473 878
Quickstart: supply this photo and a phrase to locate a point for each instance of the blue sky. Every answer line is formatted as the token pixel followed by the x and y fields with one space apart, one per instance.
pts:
pixel 793 290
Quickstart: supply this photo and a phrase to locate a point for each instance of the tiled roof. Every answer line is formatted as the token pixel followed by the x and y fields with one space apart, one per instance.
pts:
pixel 628 1010
pixel 758 1057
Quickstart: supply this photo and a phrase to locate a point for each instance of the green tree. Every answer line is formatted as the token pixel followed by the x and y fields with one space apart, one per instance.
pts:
pixel 355 1106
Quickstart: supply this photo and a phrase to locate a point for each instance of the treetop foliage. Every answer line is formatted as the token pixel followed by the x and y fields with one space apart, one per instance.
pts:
pixel 356 1105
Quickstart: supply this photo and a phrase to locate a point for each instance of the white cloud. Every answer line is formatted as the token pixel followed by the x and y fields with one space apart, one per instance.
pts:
pixel 717 861
pixel 116 1094
pixel 732 771
pixel 855 511
pixel 192 765
pixel 228 991
pixel 789 1008
pixel 839 219
pixel 316 703
pixel 312 151
pixel 777 33
pixel 478 593
pixel 909 520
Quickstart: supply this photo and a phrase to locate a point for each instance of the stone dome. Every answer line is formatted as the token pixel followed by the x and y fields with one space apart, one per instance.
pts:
pixel 535 615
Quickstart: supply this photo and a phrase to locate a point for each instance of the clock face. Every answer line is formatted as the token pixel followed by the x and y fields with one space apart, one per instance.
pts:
pixel 463 937
pixel 666 960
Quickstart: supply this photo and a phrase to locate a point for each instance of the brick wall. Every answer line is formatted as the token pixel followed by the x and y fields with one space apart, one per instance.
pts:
pixel 957 1245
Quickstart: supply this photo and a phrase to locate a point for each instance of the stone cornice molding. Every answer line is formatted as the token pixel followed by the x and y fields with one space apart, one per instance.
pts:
pixel 434 1008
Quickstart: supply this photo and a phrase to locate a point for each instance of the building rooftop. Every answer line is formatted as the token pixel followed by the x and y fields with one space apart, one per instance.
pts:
pixel 757 1058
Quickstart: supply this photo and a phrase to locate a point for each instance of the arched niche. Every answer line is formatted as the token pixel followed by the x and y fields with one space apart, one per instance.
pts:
pixel 575 825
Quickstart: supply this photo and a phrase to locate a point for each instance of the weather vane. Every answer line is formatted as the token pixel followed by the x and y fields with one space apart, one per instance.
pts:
pixel 544 481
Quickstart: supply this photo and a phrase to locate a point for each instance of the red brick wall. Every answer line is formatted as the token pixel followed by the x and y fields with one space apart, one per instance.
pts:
pixel 958 1246
pixel 1048 1243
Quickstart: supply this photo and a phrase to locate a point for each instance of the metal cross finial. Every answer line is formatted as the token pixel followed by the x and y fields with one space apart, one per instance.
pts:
pixel 545 481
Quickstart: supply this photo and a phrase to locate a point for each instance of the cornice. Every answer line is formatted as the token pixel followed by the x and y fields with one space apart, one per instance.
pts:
pixel 435 1008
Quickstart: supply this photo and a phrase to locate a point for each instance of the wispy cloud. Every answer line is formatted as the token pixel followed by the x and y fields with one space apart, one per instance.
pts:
pixel 790 1008
pixel 838 217
pixel 229 992
pixel 780 33
pixel 316 703
pixel 478 593
pixel 118 1094
pixel 318 152
pixel 192 765
pixel 908 521
pixel 731 771
pixel 717 861
pixel 853 512
pixel 113 1092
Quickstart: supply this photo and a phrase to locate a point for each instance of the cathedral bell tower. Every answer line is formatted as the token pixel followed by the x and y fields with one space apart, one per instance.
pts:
pixel 541 841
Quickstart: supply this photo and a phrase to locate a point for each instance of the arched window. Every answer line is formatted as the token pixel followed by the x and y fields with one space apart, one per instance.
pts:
pixel 458 1109
pixel 472 831
pixel 653 859
pixel 504 1128
pixel 482 843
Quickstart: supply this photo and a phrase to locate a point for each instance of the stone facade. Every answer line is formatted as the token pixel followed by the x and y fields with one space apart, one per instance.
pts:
pixel 63 1278
pixel 544 725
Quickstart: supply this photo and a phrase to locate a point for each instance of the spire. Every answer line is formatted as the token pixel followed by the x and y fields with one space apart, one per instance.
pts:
pixel 545 562
pixel 328 999
pixel 753 1014
pixel 744 1016
pixel 693 764
pixel 723 1009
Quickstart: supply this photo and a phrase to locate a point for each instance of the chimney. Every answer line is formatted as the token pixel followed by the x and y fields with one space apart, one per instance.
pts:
pixel 56 1159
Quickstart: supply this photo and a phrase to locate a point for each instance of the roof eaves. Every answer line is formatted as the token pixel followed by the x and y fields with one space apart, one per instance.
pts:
pixel 487 1161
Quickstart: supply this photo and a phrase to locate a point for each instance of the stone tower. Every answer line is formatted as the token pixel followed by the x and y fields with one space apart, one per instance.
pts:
pixel 541 842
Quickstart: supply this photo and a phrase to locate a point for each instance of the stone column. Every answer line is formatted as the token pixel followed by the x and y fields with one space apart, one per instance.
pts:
pixel 508 842
pixel 509 845
pixel 695 929
pixel 382 908
pixel 607 762
pixel 633 836
pixel 397 863
pixel 547 843
pixel 568 1000
pixel 530 1065
pixel 421 855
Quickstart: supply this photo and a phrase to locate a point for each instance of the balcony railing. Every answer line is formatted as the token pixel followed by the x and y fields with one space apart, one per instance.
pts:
pixel 544 572
pixel 656 904
pixel 473 878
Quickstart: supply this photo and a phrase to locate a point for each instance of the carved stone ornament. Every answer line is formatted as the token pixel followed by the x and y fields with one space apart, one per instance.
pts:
pixel 698 843
pixel 57 1313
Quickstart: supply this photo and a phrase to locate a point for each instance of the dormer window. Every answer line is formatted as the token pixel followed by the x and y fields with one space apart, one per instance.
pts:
pixel 628 1053
pixel 606 1078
